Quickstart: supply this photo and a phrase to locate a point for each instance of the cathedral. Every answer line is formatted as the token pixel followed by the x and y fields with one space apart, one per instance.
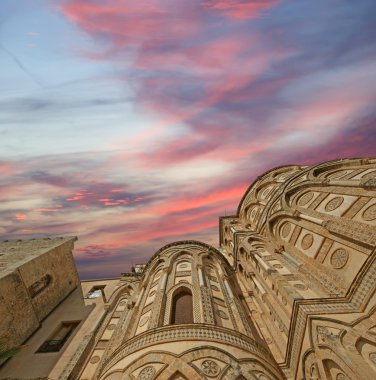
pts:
pixel 288 294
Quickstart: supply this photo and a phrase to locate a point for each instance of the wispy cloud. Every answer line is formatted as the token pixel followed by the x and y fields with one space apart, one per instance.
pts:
pixel 186 104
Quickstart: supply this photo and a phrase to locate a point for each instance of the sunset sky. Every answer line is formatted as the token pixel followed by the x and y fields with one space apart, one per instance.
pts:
pixel 135 123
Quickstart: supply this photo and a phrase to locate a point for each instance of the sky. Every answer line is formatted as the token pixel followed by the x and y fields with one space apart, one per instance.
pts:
pixel 132 124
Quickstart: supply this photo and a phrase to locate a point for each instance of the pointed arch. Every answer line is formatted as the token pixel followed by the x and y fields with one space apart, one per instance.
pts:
pixel 177 376
pixel 182 307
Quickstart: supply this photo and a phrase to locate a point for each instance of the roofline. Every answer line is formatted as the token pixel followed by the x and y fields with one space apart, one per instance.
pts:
pixel 258 179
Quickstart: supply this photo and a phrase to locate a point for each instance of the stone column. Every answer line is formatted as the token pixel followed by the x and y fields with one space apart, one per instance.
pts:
pixel 206 302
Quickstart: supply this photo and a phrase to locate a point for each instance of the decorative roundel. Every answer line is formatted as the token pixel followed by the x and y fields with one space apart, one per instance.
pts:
pixel 300 287
pixel 112 326
pixel 123 303
pixel 147 373
pixel 213 278
pixel 210 368
pixel 95 359
pixel 264 377
pixel 372 357
pixel 305 198
pixel 222 314
pixel 339 258
pixel 286 229
pixel 278 266
pixel 369 213
pixel 151 294
pixel 307 241
pixel 143 321
pixel 341 376
pixel 215 288
pixel 333 204
pixel 183 266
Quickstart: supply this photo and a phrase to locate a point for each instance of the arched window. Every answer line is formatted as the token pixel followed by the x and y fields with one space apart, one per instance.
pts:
pixel 241 270
pixel 182 307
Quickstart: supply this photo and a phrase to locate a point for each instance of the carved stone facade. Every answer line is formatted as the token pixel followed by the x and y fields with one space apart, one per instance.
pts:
pixel 303 245
pixel 289 294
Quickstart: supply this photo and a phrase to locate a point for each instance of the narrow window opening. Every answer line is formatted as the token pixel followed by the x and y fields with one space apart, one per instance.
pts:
pixel 59 337
pixel 96 291
pixel 38 286
pixel 182 308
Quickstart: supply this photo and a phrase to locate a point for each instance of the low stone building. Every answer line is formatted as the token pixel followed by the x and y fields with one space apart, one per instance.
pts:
pixel 289 293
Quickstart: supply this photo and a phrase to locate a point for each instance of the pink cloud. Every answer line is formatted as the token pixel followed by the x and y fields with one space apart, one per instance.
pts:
pixel 183 203
pixel 6 168
pixel 134 22
pixel 96 251
pixel 240 9
pixel 48 210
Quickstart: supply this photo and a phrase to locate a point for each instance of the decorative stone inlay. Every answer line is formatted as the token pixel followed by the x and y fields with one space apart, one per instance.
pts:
pixel 278 266
pixel 254 212
pixel 264 377
pixel 180 333
pixel 372 357
pixel 362 292
pixel 338 174
pixel 183 266
pixel 370 175
pixel 143 321
pixel 112 326
pixel 368 183
pixel 206 305
pixel 339 258
pixel 123 303
pixel 333 204
pixel 286 229
pixel 307 241
pixel 147 373
pixel 267 191
pixel 95 359
pixel 300 287
pixel 352 229
pixel 369 213
pixel 276 207
pixel 210 368
pixel 222 314
pixel 341 376
pixel 305 198
pixel 151 294
pixel 215 288
pixel 212 278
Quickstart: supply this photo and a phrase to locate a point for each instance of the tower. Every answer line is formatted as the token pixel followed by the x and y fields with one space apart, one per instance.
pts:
pixel 186 322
